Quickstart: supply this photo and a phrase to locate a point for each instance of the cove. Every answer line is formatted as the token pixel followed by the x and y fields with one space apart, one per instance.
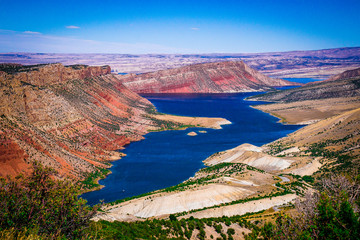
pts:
pixel 167 158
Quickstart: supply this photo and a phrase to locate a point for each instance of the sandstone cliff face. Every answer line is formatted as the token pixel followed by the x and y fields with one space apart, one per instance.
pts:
pixel 221 77
pixel 70 118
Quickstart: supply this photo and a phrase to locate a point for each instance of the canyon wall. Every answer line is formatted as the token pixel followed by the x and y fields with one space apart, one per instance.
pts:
pixel 220 77
pixel 71 118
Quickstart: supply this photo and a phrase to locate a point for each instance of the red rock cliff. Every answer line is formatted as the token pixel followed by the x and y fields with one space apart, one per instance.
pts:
pixel 221 77
pixel 70 118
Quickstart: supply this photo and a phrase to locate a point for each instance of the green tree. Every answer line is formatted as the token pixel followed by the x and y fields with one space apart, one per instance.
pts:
pixel 172 217
pixel 327 215
pixel 336 220
pixel 39 202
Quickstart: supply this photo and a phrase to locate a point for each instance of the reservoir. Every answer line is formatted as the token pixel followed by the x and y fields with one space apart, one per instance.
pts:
pixel 167 158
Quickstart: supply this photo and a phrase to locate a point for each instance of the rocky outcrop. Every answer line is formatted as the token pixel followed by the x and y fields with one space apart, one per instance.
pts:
pixel 315 91
pixel 220 77
pixel 354 73
pixel 250 155
pixel 70 118
pixel 45 75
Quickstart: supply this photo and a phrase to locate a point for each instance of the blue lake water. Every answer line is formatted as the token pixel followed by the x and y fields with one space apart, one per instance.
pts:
pixel 303 80
pixel 167 158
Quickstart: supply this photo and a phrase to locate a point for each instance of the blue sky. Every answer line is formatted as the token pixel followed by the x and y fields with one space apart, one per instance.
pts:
pixel 243 26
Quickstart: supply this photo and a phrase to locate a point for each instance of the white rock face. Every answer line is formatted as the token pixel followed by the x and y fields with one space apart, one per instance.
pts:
pixel 308 169
pixel 251 155
pixel 242 208
pixel 241 182
pixel 290 150
pixel 269 163
pixel 202 197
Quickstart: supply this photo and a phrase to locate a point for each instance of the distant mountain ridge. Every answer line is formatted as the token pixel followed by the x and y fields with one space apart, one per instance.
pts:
pixel 318 64
pixel 219 77
pixel 346 84
pixel 353 73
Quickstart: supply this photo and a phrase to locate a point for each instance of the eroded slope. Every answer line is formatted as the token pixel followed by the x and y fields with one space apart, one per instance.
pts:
pixel 70 118
pixel 221 77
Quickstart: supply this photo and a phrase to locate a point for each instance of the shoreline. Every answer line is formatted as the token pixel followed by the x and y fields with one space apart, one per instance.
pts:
pixel 211 191
pixel 201 122
pixel 163 117
pixel 185 123
pixel 281 120
pixel 153 195
pixel 308 111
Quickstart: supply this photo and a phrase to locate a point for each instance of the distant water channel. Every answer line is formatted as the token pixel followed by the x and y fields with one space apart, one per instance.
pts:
pixel 303 80
pixel 167 158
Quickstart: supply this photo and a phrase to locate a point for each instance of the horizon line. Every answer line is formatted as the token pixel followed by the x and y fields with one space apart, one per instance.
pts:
pixel 209 53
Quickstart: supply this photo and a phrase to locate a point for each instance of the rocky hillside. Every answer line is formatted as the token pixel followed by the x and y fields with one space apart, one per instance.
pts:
pixel 320 90
pixel 354 73
pixel 332 110
pixel 220 77
pixel 71 118
pixel 333 141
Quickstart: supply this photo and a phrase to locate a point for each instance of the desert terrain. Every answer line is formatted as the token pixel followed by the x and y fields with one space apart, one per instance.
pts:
pixel 74 118
pixel 249 179
pixel 48 114
pixel 295 64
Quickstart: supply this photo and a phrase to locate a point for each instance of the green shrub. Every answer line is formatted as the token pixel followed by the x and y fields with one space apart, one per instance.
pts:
pixel 330 214
pixel 39 202
pixel 230 231
pixel 309 179
pixel 172 217
pixel 218 228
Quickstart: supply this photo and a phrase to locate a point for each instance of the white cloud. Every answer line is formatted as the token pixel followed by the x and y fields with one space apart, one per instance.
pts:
pixel 6 31
pixel 31 32
pixel 72 27
pixel 12 41
pixel 195 28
